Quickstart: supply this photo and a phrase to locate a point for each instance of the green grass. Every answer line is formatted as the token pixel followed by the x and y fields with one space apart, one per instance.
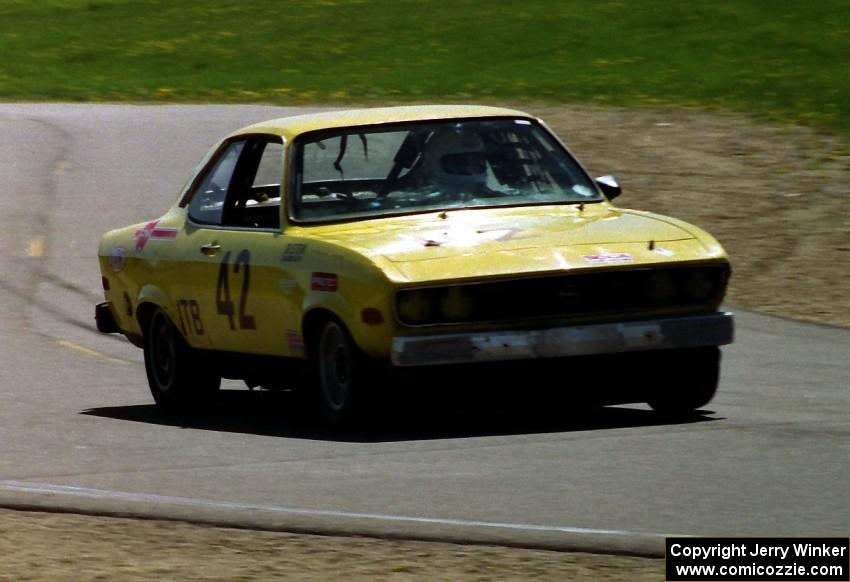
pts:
pixel 786 61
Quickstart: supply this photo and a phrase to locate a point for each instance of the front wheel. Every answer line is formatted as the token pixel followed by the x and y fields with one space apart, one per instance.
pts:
pixel 338 374
pixel 176 376
pixel 690 379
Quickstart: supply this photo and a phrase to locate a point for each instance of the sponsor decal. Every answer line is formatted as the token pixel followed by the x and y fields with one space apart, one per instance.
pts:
pixel 128 304
pixel 323 282
pixel 294 253
pixel 665 252
pixel 608 258
pixel 295 341
pixel 288 285
pixel 117 259
pixel 152 231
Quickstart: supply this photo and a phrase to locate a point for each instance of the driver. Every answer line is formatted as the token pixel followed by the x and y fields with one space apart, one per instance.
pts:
pixel 456 163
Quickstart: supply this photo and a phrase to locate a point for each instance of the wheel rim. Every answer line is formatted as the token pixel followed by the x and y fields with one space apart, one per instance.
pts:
pixel 163 352
pixel 335 367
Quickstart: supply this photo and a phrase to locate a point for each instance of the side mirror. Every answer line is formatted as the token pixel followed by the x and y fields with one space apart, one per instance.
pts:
pixel 609 186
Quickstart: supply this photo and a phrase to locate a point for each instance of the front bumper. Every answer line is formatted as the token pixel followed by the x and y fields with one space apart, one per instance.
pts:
pixel 694 331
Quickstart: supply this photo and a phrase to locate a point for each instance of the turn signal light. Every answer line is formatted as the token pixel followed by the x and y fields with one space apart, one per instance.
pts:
pixel 372 316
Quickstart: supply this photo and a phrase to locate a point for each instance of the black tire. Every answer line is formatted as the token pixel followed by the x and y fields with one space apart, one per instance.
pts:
pixel 339 373
pixel 177 377
pixel 690 382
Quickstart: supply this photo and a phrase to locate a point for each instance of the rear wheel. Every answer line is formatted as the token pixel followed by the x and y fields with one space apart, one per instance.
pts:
pixel 177 377
pixel 690 381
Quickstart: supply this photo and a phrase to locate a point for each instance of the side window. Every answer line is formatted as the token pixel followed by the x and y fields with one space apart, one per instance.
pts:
pixel 253 200
pixel 208 200
pixel 271 164
pixel 241 186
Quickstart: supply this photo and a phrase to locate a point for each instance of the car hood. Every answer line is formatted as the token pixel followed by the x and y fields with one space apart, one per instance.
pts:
pixel 491 242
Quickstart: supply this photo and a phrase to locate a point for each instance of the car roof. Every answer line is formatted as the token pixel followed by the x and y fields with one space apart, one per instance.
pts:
pixel 290 127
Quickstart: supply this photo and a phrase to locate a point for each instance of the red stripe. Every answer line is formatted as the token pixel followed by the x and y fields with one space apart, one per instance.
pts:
pixel 164 233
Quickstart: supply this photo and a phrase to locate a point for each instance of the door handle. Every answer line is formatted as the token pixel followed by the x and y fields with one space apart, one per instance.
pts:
pixel 210 249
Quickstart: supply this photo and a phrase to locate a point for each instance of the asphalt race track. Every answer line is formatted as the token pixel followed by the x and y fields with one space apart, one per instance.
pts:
pixel 78 430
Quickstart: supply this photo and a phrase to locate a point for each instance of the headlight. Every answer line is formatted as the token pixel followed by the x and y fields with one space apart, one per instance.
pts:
pixel 414 307
pixel 435 305
pixel 455 304
pixel 701 284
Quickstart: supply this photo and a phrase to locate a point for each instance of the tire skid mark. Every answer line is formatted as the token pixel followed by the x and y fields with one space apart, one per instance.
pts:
pixel 55 311
pixel 41 190
pixel 25 283
pixel 73 288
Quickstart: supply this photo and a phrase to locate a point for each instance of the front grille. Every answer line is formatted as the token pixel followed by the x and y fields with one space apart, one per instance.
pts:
pixel 564 295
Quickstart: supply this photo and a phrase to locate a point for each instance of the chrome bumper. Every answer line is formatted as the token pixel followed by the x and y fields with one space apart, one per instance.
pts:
pixel 580 340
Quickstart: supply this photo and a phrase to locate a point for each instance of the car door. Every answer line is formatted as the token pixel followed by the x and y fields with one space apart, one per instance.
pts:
pixel 183 265
pixel 233 223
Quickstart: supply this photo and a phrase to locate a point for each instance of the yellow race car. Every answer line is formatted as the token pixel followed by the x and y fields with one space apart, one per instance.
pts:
pixel 324 251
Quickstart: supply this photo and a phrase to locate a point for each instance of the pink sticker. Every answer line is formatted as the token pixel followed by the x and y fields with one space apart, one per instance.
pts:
pixel 608 258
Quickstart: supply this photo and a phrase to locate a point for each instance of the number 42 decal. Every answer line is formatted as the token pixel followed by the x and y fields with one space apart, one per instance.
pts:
pixel 223 304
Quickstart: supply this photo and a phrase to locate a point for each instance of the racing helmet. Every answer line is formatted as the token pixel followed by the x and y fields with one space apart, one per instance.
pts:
pixel 456 160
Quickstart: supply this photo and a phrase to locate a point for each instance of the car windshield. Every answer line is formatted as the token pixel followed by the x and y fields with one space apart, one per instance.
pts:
pixel 386 170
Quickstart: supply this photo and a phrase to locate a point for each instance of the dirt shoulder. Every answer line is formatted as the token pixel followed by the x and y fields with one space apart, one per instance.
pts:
pixel 47 546
pixel 776 198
